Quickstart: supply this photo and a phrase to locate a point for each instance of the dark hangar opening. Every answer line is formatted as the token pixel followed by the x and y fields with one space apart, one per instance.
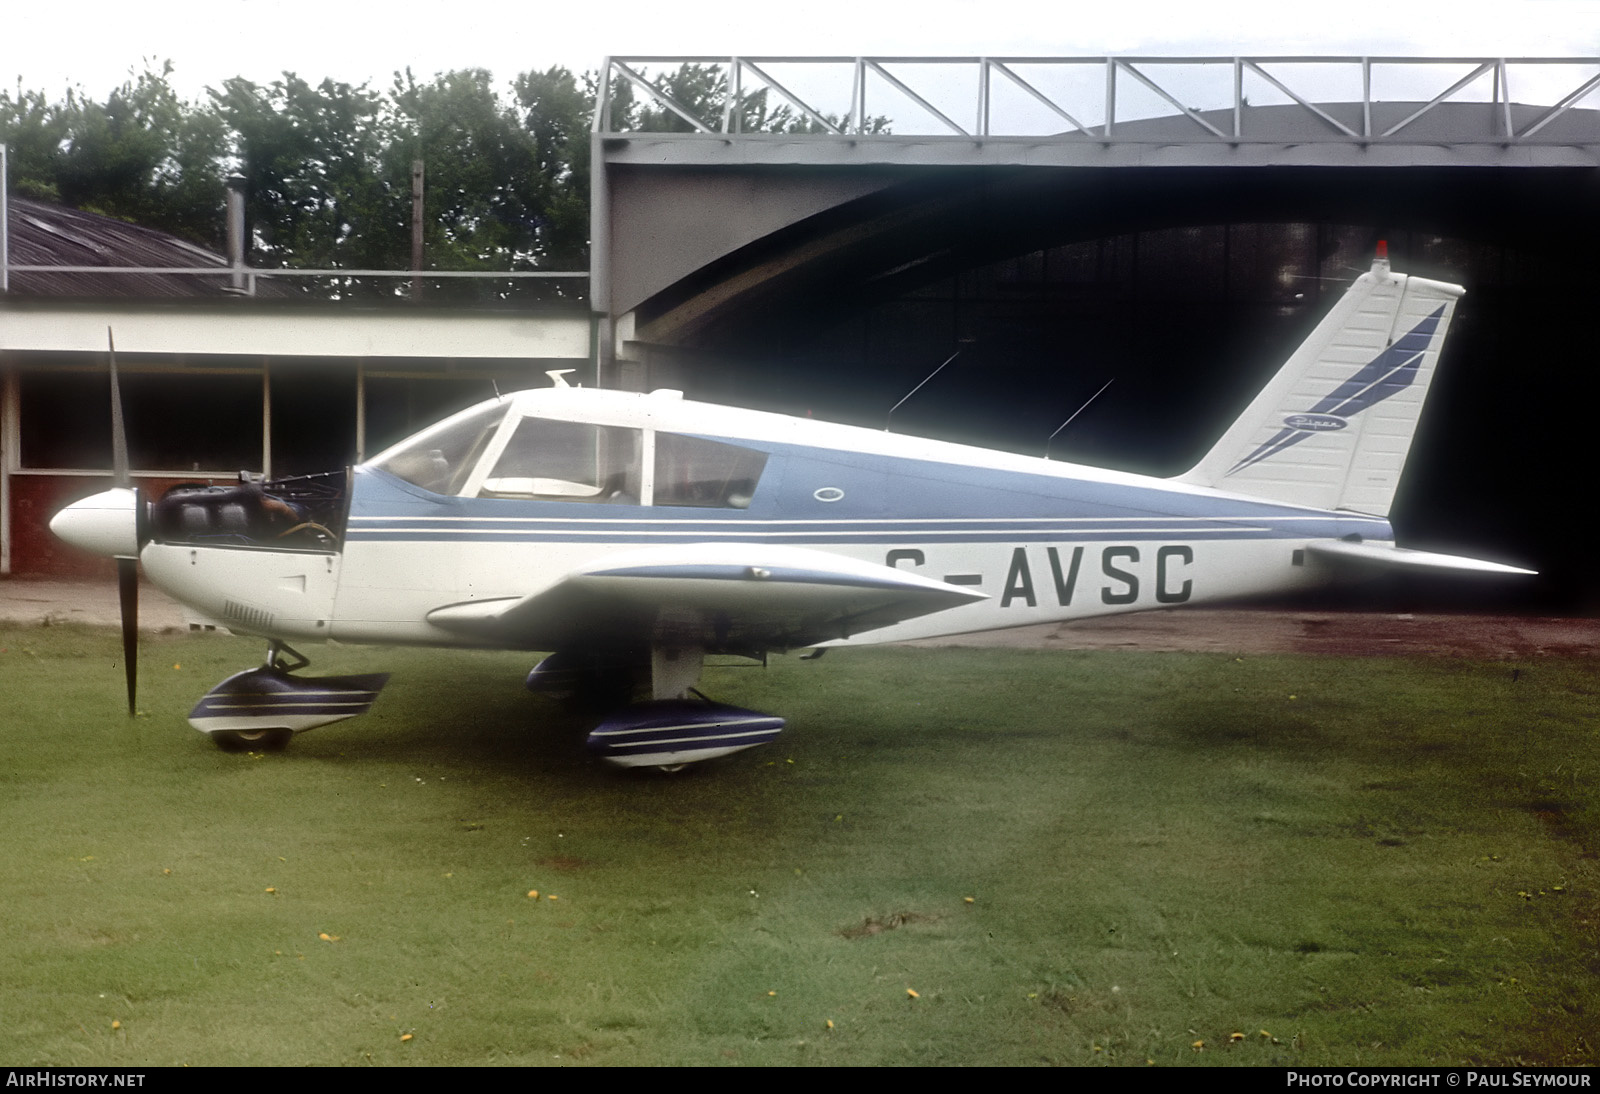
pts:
pixel 1186 288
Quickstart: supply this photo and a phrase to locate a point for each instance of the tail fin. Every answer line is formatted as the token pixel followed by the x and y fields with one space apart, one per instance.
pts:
pixel 1332 428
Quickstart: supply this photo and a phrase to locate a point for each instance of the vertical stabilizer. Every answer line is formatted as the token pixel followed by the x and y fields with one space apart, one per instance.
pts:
pixel 1333 427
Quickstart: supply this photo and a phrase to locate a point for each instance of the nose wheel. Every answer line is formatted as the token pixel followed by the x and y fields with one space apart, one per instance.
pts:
pixel 259 710
pixel 252 740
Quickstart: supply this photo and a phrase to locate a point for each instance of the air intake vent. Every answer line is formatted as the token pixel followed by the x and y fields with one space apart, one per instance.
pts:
pixel 246 616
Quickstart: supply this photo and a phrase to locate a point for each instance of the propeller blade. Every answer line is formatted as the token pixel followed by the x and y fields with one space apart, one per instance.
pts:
pixel 127 568
pixel 120 472
pixel 128 596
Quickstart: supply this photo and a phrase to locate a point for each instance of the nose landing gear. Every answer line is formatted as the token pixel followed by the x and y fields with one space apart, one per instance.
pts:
pixel 260 709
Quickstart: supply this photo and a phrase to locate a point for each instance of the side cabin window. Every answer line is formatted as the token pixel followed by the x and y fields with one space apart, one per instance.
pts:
pixel 545 459
pixel 551 460
pixel 691 471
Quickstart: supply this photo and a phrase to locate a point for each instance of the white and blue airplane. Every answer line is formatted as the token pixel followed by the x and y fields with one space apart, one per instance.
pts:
pixel 635 534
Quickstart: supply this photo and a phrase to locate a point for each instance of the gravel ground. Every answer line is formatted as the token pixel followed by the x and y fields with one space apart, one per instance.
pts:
pixel 1346 634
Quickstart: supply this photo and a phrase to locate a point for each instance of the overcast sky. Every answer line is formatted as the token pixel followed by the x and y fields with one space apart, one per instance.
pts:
pixel 96 43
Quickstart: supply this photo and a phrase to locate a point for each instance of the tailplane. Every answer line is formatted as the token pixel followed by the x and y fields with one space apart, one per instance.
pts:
pixel 1332 428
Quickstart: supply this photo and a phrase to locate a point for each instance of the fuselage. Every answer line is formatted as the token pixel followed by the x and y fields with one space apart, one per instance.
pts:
pixel 506 499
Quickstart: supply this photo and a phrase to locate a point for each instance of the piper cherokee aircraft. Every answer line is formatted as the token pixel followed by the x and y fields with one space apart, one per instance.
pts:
pixel 634 534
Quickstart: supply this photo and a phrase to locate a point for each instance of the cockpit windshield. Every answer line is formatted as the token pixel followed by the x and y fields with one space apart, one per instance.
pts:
pixel 442 458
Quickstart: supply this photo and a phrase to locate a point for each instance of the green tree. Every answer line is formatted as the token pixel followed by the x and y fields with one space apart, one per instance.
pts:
pixel 312 160
pixel 143 155
pixel 32 131
pixel 506 175
pixel 483 192
pixel 701 90
pixel 555 112
pixel 327 167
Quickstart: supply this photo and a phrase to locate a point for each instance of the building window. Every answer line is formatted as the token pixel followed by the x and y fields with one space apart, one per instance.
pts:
pixel 176 421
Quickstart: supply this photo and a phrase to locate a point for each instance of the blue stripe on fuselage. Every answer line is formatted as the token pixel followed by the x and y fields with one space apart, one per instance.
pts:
pixel 1330 529
pixel 884 499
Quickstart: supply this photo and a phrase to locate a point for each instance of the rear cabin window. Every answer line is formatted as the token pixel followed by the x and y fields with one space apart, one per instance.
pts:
pixel 567 461
pixel 691 471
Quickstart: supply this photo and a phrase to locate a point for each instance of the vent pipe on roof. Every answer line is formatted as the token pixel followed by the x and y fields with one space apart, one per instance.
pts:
pixel 5 226
pixel 236 186
pixel 416 229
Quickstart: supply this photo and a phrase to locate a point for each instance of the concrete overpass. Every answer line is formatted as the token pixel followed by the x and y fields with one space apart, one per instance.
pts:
pixel 827 178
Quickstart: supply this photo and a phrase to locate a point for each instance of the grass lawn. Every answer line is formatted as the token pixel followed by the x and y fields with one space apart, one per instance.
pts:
pixel 952 856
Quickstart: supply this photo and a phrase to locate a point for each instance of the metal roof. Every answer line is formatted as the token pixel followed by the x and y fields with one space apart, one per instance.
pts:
pixel 52 235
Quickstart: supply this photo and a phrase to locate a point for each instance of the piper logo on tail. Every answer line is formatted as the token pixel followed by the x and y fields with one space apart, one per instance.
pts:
pixel 1315 423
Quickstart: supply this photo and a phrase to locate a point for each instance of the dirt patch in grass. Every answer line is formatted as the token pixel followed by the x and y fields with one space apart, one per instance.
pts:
pixel 877 925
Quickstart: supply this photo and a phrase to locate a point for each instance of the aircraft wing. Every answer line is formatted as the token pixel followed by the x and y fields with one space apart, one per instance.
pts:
pixel 1383 556
pixel 726 597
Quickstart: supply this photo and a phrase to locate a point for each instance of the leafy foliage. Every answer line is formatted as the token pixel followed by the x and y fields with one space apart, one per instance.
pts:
pixel 328 166
pixel 311 158
pixel 701 91
pixel 487 198
pixel 143 155
pixel 555 112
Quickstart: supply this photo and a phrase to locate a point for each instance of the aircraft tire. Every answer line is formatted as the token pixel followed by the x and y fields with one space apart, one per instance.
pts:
pixel 252 740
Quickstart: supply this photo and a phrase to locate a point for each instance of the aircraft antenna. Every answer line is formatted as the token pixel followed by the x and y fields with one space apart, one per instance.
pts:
pixel 919 387
pixel 1075 413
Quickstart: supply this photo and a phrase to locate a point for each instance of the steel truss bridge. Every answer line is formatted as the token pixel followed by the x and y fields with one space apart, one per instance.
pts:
pixel 686 183
pixel 1362 101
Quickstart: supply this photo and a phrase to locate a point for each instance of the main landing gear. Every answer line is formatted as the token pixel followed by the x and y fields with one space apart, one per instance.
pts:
pixel 676 727
pixel 260 709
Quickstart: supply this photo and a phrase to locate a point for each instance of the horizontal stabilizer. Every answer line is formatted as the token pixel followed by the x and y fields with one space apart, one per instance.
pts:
pixel 1385 556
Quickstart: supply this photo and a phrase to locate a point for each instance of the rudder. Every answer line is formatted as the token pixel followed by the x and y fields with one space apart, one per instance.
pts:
pixel 1332 429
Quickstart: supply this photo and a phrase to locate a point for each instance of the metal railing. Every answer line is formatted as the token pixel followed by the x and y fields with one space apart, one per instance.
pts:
pixel 254 274
pixel 1088 98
